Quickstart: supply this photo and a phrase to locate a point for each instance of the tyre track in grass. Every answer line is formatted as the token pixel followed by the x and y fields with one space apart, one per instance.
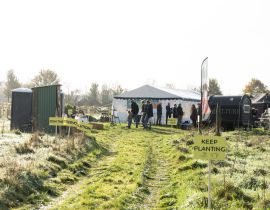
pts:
pixel 136 167
pixel 156 178
pixel 157 171
pixel 112 179
pixel 76 189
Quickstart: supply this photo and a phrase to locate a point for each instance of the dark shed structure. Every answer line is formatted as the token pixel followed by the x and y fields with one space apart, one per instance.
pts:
pixel 21 109
pixel 46 103
pixel 260 102
pixel 235 110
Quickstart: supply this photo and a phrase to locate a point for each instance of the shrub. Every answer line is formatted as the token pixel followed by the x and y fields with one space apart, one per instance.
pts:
pixel 251 183
pixel 182 158
pixel 198 164
pixel 189 142
pixel 231 192
pixel 183 149
pixel 222 163
pixel 24 148
pixel 260 172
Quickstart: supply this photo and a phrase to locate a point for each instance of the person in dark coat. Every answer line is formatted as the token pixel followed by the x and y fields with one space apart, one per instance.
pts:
pixel 168 112
pixel 194 115
pixel 175 115
pixel 135 111
pixel 159 114
pixel 180 115
pixel 149 114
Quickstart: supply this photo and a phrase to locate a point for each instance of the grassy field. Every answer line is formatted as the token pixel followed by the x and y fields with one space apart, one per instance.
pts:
pixel 120 168
pixel 37 167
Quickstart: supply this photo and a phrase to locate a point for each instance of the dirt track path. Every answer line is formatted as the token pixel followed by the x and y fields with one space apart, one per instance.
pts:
pixel 157 178
pixel 115 176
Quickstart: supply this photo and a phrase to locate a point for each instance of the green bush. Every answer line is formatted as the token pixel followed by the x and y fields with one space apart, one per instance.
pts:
pixel 251 183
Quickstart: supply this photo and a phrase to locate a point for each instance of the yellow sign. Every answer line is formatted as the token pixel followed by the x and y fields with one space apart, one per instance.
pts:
pixel 59 121
pixel 172 121
pixel 209 148
pixel 86 127
pixel 56 121
pixel 70 122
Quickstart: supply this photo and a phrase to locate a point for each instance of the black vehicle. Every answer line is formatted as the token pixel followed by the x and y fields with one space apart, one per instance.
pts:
pixel 235 111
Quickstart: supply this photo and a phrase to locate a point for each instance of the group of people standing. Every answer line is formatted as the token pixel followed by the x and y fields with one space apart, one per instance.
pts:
pixel 176 111
pixel 147 113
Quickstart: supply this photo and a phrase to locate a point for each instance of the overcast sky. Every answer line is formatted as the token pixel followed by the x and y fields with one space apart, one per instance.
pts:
pixel 135 42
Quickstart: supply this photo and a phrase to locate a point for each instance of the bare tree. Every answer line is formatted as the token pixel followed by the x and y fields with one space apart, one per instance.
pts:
pixel 105 95
pixel 45 77
pixel 117 90
pixel 93 97
pixel 11 83
pixel 73 97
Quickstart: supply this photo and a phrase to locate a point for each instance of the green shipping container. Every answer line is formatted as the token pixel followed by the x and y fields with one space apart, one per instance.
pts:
pixel 46 103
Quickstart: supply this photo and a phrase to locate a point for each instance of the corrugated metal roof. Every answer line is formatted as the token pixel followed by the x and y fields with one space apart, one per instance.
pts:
pixel 151 92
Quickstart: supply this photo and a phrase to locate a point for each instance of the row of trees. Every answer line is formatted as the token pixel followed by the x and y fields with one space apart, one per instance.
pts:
pixel 104 95
pixel 48 77
pixel 45 77
pixel 95 96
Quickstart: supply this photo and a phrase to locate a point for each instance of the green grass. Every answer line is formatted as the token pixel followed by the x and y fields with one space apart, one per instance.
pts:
pixel 119 174
pixel 130 174
pixel 41 167
pixel 150 169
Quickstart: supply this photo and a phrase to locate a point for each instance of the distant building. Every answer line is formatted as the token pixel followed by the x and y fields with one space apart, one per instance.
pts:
pixel 122 102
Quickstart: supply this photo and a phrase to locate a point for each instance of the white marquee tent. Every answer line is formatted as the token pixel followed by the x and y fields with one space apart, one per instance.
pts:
pixel 121 103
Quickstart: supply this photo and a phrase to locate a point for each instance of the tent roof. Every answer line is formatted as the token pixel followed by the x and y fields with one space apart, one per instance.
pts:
pixel 151 92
